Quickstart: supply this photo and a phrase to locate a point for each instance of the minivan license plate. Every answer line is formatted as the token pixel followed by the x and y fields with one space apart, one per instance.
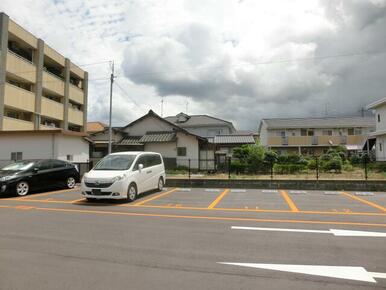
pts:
pixel 96 192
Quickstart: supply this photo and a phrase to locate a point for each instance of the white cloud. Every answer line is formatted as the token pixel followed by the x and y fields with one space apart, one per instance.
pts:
pixel 220 55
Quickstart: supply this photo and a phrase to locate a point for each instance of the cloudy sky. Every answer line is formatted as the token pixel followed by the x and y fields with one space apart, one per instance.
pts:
pixel 241 60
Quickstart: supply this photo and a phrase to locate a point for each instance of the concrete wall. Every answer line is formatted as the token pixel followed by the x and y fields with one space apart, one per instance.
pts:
pixel 381 143
pixel 340 185
pixel 44 146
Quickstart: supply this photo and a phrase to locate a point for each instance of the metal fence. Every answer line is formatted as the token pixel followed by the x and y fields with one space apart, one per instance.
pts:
pixel 229 168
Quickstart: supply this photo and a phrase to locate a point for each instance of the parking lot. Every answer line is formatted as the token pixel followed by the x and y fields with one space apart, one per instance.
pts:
pixel 183 236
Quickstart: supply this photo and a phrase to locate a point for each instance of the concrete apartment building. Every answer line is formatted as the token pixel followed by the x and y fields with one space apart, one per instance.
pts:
pixel 379 135
pixel 313 136
pixel 41 91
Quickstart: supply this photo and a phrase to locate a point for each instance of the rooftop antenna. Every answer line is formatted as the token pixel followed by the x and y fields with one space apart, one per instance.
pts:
pixel 162 106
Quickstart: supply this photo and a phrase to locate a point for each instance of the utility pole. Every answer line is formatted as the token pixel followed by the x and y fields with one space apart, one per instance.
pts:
pixel 111 105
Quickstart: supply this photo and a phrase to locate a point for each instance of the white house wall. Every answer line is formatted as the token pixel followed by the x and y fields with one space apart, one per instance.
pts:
pixel 381 154
pixel 70 145
pixel 44 146
pixel 146 125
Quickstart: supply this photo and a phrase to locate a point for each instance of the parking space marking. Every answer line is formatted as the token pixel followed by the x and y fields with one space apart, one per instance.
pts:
pixel 209 217
pixel 372 204
pixel 289 201
pixel 155 197
pixel 332 192
pixel 298 192
pixel 218 199
pixel 77 200
pixel 48 193
pixel 238 190
pixel 364 193
pixel 212 189
pixel 185 189
pixel 270 191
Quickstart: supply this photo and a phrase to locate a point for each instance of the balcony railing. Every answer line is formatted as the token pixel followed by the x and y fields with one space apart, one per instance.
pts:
pixel 52 109
pixel 11 124
pixel 53 83
pixel 21 67
pixel 315 140
pixel 76 94
pixel 75 117
pixel 19 98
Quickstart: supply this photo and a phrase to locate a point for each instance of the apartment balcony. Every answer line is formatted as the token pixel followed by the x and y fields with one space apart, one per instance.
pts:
pixel 45 127
pixel 76 94
pixel 21 67
pixel 11 124
pixel 53 83
pixel 19 98
pixel 75 117
pixel 23 34
pixel 315 140
pixel 52 109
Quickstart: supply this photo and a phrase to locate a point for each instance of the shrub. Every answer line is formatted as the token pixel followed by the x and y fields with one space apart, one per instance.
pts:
pixel 311 164
pixel 334 164
pixel 347 166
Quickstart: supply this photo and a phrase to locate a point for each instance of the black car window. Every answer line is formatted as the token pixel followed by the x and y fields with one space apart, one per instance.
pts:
pixel 44 165
pixel 58 164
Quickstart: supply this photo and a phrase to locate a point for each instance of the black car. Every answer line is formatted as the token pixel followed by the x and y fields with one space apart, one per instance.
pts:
pixel 22 177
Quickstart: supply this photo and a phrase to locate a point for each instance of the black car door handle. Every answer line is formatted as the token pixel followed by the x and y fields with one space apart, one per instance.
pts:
pixel 148 171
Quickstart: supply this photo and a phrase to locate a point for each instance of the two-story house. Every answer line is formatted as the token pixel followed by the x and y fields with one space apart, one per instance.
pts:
pixel 313 136
pixel 380 128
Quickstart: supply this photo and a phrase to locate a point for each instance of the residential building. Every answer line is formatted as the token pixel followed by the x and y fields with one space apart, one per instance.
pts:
pixel 380 128
pixel 94 127
pixel 313 136
pixel 199 144
pixel 40 90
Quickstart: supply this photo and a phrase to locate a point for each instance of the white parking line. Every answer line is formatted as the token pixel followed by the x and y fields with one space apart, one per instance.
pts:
pixel 212 189
pixel 364 193
pixel 184 189
pixel 238 190
pixel 298 191
pixel 332 192
pixel 270 191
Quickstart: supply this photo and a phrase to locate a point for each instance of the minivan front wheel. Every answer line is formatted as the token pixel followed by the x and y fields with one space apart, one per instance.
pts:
pixel 160 184
pixel 22 188
pixel 132 193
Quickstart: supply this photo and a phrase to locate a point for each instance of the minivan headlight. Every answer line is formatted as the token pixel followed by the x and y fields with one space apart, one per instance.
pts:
pixel 118 178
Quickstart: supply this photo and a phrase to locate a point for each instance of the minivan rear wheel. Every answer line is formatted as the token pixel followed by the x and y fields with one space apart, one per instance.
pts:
pixel 132 193
pixel 160 184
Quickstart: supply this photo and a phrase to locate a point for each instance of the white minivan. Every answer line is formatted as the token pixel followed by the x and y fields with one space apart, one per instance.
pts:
pixel 124 175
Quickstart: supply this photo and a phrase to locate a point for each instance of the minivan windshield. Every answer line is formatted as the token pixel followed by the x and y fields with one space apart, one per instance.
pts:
pixel 115 162
pixel 20 165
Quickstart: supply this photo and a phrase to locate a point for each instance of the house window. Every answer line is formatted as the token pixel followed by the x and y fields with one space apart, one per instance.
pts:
pixel 280 133
pixel 379 118
pixel 327 132
pixel 70 157
pixel 303 132
pixel 358 131
pixel 181 151
pixel 350 131
pixel 16 156
pixel 310 133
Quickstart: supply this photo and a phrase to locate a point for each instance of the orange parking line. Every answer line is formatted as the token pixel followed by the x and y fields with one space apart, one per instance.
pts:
pixel 77 200
pixel 289 201
pixel 218 199
pixel 210 217
pixel 48 193
pixel 372 204
pixel 155 197
pixel 258 210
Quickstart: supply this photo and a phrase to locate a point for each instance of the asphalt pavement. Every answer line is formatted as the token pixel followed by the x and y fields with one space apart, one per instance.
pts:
pixel 190 238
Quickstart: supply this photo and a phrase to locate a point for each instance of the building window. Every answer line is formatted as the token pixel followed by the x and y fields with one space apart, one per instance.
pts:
pixel 357 131
pixel 350 131
pixel 70 157
pixel 16 156
pixel 380 146
pixel 303 132
pixel 379 118
pixel 181 151
pixel 327 132
pixel 310 132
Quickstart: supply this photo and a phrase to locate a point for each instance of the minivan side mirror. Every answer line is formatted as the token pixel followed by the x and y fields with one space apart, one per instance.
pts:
pixel 140 167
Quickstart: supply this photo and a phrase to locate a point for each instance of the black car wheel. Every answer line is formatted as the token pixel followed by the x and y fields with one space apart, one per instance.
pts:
pixel 70 182
pixel 160 184
pixel 132 192
pixel 22 188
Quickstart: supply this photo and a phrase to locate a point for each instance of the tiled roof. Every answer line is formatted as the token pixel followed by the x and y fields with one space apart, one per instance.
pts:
pixel 330 122
pixel 150 137
pixel 130 140
pixel 95 126
pixel 196 120
pixel 234 139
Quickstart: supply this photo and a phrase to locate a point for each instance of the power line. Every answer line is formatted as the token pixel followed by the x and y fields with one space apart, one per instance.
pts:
pixel 127 95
